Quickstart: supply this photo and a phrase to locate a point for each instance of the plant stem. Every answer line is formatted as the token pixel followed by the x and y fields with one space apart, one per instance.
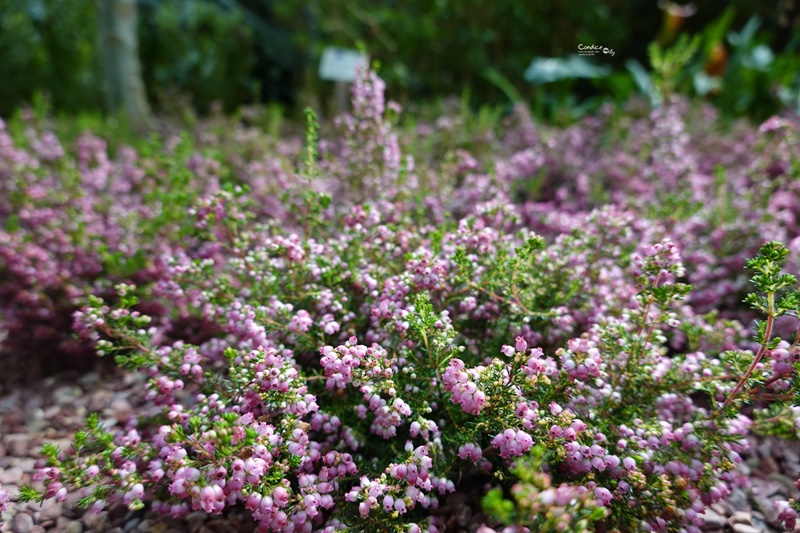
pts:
pixel 761 351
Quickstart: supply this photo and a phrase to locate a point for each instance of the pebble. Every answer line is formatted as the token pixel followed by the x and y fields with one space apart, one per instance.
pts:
pixel 744 528
pixel 758 521
pixel 721 508
pixel 9 403
pixel 463 514
pixel 11 476
pixel 131 524
pixel 195 521
pixel 768 508
pixel 89 379
pixel 738 500
pixel 121 408
pixel 22 523
pixel 50 510
pixel 52 411
pixel 769 465
pixel 13 492
pixel 35 423
pixel 66 394
pixel 73 527
pixel 65 525
pixel 27 464
pixel 17 444
pixel 100 400
pixel 96 521
pixel 740 517
pixel 142 527
pixel 713 520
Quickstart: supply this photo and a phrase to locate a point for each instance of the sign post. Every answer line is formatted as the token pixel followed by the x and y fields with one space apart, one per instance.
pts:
pixel 339 65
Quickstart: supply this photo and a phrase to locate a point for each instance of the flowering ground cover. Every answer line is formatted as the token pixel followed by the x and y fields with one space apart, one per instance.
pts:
pixel 341 333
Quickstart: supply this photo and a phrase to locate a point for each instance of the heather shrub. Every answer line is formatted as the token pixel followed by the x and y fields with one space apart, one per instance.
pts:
pixel 338 339
pixel 77 218
pixel 289 408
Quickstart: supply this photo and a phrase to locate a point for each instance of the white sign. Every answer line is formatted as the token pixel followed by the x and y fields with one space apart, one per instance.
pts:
pixel 339 64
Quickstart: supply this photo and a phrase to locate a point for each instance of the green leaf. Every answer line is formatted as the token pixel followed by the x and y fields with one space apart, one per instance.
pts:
pixel 27 494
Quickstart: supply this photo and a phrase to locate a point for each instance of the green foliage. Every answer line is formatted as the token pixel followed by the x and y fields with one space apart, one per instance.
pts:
pixel 668 64
pixel 199 49
pixel 49 46
pixel 311 143
pixel 527 508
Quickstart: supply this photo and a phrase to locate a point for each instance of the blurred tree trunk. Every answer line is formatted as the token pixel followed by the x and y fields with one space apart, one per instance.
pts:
pixel 119 47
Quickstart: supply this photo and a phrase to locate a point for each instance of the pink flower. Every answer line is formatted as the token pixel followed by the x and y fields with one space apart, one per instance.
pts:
pixel 521 345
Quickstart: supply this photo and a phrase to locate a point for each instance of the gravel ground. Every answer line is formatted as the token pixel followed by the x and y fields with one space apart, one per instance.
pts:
pixel 54 408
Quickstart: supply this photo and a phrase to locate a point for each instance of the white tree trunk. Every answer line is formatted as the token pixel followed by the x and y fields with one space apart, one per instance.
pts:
pixel 119 47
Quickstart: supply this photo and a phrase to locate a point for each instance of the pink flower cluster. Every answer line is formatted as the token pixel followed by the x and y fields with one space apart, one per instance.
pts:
pixel 512 443
pixel 462 385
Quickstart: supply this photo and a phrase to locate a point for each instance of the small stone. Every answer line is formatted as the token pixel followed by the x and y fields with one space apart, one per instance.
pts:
pixel 63 523
pixel 759 521
pixel 73 527
pixel 740 517
pixel 463 513
pixel 10 403
pixel 195 521
pixel 89 379
pixel 738 500
pixel 27 464
pixel 744 528
pixel 118 511
pixel 17 444
pixel 158 527
pixel 34 422
pixel 720 508
pixel 768 465
pixel 50 510
pixel 13 492
pixel 96 521
pixel 744 469
pixel 144 526
pixel 218 526
pixel 22 523
pixel 100 400
pixel 131 524
pixel 38 529
pixel 66 394
pixel 713 520
pixel 121 407
pixel 11 476
pixel 766 505
pixel 764 449
pixel 52 411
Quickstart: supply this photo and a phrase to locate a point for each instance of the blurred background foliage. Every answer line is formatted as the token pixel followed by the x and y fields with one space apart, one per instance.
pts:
pixel 744 56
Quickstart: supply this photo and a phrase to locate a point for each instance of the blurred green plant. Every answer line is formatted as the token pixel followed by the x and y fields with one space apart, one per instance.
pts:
pixel 737 70
pixel 241 51
pixel 199 49
pixel 50 46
